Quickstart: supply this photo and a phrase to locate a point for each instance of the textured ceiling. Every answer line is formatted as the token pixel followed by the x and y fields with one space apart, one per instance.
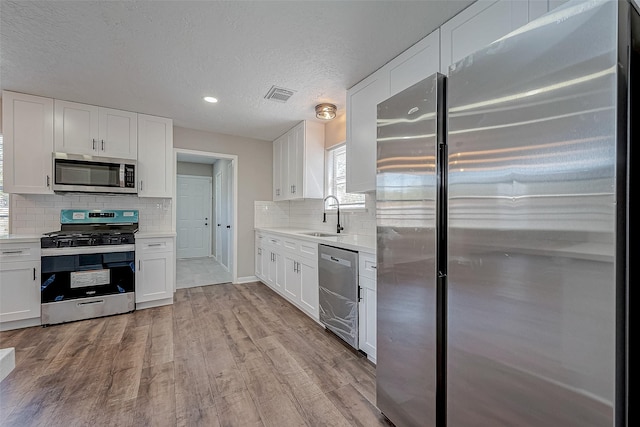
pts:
pixel 162 57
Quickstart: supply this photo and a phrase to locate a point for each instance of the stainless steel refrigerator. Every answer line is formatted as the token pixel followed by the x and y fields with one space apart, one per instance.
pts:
pixel 503 221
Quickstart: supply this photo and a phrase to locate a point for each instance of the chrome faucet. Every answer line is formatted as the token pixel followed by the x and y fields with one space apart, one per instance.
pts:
pixel 324 215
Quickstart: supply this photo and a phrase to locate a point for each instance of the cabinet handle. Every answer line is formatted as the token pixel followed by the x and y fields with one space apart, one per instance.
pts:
pixel 359 296
pixel 277 191
pixel 93 141
pixel 373 267
pixel 140 185
pixel 294 189
pixel 154 244
pixel 11 252
pixel 34 273
pixel 140 265
pixel 102 140
pixel 48 181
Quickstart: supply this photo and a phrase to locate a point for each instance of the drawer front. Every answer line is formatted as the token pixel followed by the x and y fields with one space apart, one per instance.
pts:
pixel 309 250
pixel 272 240
pixel 291 245
pixel 10 252
pixel 367 265
pixel 154 245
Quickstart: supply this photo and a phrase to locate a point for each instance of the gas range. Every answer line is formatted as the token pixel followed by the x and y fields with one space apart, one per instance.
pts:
pixel 88 266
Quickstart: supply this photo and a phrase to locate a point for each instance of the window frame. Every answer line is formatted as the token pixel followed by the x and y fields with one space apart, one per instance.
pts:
pixel 330 179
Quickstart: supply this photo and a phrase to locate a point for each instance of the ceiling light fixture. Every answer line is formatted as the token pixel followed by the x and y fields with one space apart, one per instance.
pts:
pixel 210 99
pixel 326 111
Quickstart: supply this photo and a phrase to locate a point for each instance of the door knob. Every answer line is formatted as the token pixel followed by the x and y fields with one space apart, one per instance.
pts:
pixel 228 226
pixel 218 225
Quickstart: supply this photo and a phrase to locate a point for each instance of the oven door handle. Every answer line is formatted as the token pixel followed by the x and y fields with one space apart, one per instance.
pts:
pixel 100 301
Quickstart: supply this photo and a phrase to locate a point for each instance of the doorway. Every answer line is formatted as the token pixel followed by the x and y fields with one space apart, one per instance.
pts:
pixel 218 235
pixel 193 220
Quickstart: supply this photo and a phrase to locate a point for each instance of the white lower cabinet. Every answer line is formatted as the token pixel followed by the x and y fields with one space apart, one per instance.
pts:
pixel 155 272
pixel 19 285
pixel 367 305
pixel 290 267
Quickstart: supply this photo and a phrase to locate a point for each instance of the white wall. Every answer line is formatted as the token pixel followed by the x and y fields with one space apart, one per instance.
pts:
pixel 255 177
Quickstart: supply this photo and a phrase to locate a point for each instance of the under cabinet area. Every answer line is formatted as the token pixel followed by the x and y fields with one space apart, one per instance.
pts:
pixel 155 271
pixel 27 122
pixel 19 284
pixel 298 163
pixel 96 131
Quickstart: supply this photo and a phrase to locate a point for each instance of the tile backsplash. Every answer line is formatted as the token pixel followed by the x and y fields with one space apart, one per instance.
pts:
pixel 308 214
pixel 38 213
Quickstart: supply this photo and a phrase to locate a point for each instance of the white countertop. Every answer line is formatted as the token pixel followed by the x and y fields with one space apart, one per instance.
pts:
pixel 20 238
pixel 353 242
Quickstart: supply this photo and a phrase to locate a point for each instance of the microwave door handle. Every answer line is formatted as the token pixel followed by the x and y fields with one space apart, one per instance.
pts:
pixel 121 174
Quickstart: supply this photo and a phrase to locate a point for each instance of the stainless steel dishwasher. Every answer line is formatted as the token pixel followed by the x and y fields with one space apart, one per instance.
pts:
pixel 338 280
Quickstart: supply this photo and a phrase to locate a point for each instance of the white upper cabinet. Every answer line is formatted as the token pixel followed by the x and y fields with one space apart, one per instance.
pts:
pixel 155 156
pixel 484 22
pixel 298 163
pixel 28 143
pixel 414 64
pixel 97 131
pixel 362 105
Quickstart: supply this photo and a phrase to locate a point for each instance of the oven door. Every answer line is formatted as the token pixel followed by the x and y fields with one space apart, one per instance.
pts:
pixel 81 275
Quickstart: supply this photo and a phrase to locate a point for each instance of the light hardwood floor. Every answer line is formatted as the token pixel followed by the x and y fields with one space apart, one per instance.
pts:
pixel 221 355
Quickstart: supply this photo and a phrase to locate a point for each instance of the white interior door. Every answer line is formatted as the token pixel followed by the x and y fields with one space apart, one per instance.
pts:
pixel 219 218
pixel 193 216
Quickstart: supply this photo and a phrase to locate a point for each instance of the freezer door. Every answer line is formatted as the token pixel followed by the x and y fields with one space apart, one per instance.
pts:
pixel 532 225
pixel 407 190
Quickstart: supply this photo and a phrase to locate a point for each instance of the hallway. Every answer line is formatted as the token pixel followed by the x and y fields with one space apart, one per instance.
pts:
pixel 191 272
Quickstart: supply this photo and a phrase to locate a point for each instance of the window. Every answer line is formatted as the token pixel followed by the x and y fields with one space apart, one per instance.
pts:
pixel 4 198
pixel 337 179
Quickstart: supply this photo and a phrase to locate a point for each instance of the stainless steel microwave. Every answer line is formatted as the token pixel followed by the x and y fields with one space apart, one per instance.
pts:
pixel 91 174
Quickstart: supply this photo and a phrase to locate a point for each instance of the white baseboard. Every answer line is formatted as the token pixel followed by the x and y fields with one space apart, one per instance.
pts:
pixel 19 324
pixel 151 304
pixel 246 279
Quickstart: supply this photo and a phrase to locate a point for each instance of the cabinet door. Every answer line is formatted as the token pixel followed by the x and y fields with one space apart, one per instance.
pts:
pixel 277 169
pixel 362 105
pixel 28 143
pixel 477 26
pixel 416 63
pixel 154 277
pixel 292 281
pixel 367 317
pixel 155 156
pixel 76 128
pixel 296 161
pixel 309 291
pixel 258 250
pixel 118 132
pixel 19 290
pixel 271 269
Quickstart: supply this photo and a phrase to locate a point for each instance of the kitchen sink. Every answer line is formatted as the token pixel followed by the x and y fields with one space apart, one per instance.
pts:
pixel 319 234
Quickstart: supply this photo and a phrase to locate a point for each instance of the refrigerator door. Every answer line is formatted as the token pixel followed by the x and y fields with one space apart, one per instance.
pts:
pixel 407 189
pixel 532 225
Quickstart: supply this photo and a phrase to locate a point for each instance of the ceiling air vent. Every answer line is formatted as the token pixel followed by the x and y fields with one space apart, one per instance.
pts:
pixel 279 94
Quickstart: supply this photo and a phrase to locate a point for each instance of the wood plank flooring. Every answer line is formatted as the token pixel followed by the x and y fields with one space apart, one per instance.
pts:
pixel 221 355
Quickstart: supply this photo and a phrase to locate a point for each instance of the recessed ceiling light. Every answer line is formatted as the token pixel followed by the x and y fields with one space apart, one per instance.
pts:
pixel 210 99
